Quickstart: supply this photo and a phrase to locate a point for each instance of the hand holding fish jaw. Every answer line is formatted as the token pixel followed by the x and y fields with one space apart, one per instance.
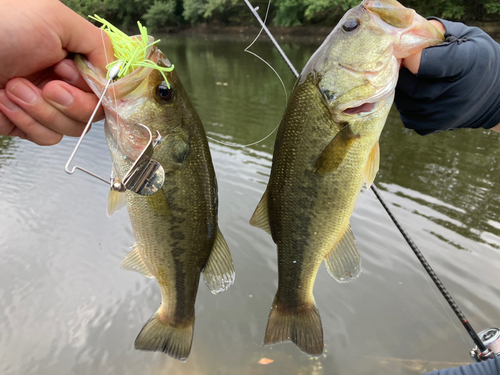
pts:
pixel 412 62
pixel 453 85
pixel 42 95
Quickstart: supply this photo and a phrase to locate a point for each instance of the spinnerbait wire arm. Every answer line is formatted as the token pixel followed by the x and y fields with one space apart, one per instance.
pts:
pixel 113 73
pixel 146 176
pixel 485 353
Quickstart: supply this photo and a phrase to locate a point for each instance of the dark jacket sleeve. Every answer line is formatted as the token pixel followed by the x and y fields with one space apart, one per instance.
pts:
pixel 457 84
pixel 489 367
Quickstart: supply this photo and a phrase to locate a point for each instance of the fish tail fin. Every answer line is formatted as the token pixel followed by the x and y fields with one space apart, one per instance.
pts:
pixel 302 326
pixel 158 335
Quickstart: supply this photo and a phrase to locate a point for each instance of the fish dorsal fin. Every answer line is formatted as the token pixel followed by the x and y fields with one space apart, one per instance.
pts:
pixel 332 156
pixel 219 270
pixel 344 262
pixel 116 201
pixel 260 218
pixel 372 165
pixel 134 261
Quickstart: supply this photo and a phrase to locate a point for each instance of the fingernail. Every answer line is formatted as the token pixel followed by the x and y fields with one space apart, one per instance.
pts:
pixel 67 72
pixel 23 92
pixel 4 101
pixel 60 96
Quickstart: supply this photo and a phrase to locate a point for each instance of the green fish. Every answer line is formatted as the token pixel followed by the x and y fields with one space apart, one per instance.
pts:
pixel 326 148
pixel 176 230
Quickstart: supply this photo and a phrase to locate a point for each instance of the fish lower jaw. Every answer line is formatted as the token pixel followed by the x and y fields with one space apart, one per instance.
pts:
pixel 361 110
pixel 365 108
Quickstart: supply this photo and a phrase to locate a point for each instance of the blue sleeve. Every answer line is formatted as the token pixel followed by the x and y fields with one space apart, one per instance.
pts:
pixel 489 367
pixel 457 84
pixel 454 57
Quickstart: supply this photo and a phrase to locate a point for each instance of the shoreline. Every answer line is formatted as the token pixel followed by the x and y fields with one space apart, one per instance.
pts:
pixel 295 33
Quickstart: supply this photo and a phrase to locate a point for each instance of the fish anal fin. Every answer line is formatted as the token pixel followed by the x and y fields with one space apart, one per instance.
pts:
pixel 116 200
pixel 302 326
pixel 158 335
pixel 343 262
pixel 372 165
pixel 260 218
pixel 334 154
pixel 134 261
pixel 219 270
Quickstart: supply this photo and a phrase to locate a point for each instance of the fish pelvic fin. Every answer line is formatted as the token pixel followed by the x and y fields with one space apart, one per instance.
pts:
pixel 134 261
pixel 334 154
pixel 372 165
pixel 158 335
pixel 302 326
pixel 260 218
pixel 116 201
pixel 343 262
pixel 219 270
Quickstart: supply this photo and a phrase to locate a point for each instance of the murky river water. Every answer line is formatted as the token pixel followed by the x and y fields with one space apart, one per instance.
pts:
pixel 66 307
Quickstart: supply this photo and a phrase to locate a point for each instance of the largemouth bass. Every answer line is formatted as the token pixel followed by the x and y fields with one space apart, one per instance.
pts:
pixel 326 148
pixel 175 228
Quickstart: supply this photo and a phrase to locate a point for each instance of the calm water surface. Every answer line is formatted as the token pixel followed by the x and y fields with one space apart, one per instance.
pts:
pixel 66 307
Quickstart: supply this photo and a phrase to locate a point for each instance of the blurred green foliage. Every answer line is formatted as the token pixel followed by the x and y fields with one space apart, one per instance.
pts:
pixel 158 14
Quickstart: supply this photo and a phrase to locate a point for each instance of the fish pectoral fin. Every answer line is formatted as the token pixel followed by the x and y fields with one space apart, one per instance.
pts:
pixel 344 262
pixel 135 262
pixel 372 165
pixel 260 218
pixel 116 201
pixel 158 203
pixel 334 154
pixel 219 270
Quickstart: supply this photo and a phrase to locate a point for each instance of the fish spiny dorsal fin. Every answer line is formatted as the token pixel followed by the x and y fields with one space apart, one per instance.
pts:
pixel 116 201
pixel 372 165
pixel 260 218
pixel 334 154
pixel 344 262
pixel 219 270
pixel 134 261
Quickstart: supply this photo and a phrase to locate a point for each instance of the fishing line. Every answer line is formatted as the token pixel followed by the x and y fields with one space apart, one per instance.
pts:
pixel 275 72
pixel 112 87
pixel 444 309
pixel 484 352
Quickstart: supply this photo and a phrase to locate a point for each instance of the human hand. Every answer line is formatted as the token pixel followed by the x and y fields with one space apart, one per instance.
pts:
pixel 42 95
pixel 453 85
pixel 412 62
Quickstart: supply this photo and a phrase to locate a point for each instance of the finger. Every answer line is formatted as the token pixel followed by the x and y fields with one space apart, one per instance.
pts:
pixel 85 38
pixel 68 71
pixel 33 104
pixel 412 62
pixel 26 126
pixel 6 126
pixel 72 102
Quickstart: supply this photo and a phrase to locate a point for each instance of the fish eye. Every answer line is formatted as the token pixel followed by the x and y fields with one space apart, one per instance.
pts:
pixel 350 24
pixel 164 94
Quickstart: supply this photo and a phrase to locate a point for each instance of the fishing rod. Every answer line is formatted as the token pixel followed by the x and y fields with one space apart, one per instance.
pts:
pixel 490 336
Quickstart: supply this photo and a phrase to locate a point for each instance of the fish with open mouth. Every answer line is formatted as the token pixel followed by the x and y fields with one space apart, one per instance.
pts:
pixel 326 148
pixel 176 230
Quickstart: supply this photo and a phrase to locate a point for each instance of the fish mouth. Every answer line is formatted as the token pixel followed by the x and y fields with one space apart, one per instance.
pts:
pixel 122 101
pixel 363 109
pixel 383 91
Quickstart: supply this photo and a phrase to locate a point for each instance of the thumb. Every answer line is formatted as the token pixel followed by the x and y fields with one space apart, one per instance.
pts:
pixel 80 36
